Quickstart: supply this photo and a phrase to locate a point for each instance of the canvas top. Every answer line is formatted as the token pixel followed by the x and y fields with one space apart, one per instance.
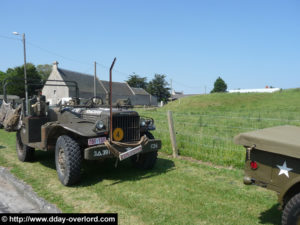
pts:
pixel 284 140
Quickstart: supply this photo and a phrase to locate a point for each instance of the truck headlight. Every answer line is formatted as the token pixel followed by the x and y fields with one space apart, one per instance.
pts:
pixel 148 123
pixel 99 125
pixel 142 122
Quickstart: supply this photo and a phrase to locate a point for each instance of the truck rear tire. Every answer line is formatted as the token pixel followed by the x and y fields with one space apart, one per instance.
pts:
pixel 67 160
pixel 291 212
pixel 25 153
pixel 145 161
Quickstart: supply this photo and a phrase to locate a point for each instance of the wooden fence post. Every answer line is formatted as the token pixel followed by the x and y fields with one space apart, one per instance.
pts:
pixel 172 134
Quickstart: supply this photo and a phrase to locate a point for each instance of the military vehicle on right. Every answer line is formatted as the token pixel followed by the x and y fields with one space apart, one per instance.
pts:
pixel 273 162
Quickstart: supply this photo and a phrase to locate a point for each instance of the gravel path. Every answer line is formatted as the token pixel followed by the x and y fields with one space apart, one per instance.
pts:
pixel 18 197
pixel 11 201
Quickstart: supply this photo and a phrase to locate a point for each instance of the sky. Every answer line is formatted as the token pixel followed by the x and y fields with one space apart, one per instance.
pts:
pixel 249 43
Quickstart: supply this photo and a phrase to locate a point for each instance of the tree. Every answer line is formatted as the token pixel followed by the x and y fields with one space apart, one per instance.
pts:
pixel 44 70
pixel 219 86
pixel 137 81
pixel 16 85
pixel 2 76
pixel 158 87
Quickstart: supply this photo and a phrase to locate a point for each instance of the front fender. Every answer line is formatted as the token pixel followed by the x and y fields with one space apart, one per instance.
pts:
pixel 84 129
pixel 288 186
pixel 49 133
pixel 52 130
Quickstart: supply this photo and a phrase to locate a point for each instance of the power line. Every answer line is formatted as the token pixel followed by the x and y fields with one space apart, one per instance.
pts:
pixel 107 67
pixel 71 59
pixel 187 86
pixel 56 54
pixel 74 60
pixel 11 38
pixel 68 58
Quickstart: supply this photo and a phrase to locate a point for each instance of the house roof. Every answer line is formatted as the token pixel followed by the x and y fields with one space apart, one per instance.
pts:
pixel 140 91
pixel 85 82
pixel 117 87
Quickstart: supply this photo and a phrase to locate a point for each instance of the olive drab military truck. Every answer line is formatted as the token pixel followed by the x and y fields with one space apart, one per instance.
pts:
pixel 273 162
pixel 84 132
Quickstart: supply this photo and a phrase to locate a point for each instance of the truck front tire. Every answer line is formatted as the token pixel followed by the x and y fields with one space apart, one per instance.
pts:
pixel 25 153
pixel 67 160
pixel 147 160
pixel 291 212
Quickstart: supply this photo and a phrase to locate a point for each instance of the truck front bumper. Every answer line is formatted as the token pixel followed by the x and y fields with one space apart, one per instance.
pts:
pixel 101 151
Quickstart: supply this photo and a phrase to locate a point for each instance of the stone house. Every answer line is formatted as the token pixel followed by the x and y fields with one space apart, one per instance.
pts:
pixel 85 82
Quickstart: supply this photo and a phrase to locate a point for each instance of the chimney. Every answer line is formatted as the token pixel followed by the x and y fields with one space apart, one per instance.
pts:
pixel 55 63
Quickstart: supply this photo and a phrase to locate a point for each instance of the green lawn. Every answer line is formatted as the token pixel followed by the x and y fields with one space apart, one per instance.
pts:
pixel 205 125
pixel 175 192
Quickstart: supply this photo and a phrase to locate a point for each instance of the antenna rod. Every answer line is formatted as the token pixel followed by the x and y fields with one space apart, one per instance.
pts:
pixel 110 99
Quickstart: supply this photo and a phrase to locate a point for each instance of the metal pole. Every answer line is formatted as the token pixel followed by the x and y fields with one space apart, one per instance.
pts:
pixel 25 75
pixel 110 98
pixel 95 92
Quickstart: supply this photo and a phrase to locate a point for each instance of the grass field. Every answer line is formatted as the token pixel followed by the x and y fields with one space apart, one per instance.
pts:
pixel 205 125
pixel 175 192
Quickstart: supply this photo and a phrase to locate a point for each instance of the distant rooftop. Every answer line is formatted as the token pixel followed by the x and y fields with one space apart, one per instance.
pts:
pixel 139 91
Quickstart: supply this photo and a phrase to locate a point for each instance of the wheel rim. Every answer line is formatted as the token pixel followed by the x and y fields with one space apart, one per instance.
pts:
pixel 61 160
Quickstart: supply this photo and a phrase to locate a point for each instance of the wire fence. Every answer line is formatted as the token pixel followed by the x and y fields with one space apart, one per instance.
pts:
pixel 211 137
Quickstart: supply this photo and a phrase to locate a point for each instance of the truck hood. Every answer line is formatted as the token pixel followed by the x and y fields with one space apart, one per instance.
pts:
pixel 101 111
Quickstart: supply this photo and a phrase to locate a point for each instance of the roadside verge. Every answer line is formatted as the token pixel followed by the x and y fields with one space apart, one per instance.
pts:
pixel 26 191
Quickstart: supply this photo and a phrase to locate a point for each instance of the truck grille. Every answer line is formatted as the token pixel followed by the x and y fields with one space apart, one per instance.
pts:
pixel 130 126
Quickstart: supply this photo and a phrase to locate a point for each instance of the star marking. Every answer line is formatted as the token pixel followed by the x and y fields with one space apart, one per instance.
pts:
pixel 284 169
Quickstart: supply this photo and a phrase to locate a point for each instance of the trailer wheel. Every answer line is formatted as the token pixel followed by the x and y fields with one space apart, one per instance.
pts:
pixel 291 212
pixel 145 161
pixel 25 153
pixel 67 160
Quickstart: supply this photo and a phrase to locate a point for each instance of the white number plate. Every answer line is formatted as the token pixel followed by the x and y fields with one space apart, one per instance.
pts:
pixel 130 152
pixel 96 141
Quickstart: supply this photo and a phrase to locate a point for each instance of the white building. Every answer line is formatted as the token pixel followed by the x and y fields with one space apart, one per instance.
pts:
pixel 262 90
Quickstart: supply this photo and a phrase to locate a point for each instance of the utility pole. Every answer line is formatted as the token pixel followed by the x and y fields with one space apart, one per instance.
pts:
pixel 95 78
pixel 205 89
pixel 25 72
pixel 171 87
